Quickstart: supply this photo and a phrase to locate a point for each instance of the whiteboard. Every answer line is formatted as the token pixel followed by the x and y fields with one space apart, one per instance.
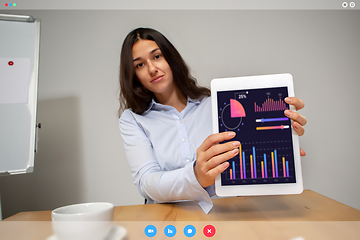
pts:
pixel 19 61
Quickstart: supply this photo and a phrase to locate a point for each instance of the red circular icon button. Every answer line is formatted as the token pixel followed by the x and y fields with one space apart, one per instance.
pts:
pixel 209 230
pixel 11 63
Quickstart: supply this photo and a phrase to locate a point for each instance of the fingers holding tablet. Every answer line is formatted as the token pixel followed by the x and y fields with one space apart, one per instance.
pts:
pixel 299 120
pixel 296 102
pixel 302 152
pixel 211 157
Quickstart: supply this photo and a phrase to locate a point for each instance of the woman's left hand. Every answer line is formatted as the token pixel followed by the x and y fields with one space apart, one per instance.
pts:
pixel 299 120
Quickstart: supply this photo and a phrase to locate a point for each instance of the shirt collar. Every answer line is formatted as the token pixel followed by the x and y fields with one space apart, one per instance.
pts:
pixel 196 101
pixel 158 106
pixel 151 105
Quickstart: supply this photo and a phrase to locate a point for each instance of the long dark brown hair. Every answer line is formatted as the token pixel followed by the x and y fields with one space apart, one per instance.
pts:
pixel 136 97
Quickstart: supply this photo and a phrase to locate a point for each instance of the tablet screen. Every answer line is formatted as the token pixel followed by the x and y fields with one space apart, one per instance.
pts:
pixel 266 148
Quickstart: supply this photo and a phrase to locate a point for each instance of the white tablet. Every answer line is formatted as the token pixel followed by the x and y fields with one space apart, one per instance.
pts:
pixel 268 162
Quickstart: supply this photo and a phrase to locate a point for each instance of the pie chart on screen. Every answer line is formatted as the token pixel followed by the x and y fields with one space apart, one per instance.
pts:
pixel 236 109
pixel 232 114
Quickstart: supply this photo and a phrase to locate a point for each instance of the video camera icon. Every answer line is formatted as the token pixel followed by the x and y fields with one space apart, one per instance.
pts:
pixel 150 231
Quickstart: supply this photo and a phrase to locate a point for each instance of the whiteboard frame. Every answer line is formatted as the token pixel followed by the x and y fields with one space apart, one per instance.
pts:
pixel 31 105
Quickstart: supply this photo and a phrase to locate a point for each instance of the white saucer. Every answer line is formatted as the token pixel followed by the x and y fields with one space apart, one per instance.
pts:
pixel 115 233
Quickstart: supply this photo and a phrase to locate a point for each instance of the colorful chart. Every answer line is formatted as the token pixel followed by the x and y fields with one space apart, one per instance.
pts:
pixel 232 114
pixel 236 109
pixel 274 166
pixel 265 153
pixel 271 105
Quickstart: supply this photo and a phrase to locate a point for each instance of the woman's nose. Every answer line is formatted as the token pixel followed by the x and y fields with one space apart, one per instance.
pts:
pixel 152 68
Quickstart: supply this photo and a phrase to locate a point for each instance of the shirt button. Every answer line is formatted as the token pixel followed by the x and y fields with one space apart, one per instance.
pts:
pixel 184 139
pixel 187 159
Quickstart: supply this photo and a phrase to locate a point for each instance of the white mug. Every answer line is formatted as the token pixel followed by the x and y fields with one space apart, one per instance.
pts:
pixel 90 221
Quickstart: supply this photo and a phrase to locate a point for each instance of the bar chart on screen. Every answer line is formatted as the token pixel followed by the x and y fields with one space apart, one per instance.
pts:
pixel 270 105
pixel 262 162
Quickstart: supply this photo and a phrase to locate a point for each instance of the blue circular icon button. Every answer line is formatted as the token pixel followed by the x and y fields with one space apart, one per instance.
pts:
pixel 189 231
pixel 170 231
pixel 150 231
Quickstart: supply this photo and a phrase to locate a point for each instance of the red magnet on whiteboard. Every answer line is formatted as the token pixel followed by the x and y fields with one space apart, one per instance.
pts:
pixel 11 63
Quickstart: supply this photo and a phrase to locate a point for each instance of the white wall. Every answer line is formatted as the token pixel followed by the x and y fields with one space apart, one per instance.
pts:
pixel 81 158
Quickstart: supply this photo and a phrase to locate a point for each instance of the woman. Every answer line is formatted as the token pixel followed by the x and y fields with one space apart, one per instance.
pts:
pixel 166 124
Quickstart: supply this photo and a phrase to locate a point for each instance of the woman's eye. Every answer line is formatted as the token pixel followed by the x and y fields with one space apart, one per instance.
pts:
pixel 139 65
pixel 157 56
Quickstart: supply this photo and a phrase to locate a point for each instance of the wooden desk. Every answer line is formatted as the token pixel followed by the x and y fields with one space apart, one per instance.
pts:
pixel 292 212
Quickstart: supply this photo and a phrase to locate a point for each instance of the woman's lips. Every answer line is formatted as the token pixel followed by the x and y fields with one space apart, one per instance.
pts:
pixel 157 79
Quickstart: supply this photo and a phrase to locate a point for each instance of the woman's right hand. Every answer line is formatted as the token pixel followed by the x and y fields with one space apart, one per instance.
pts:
pixel 211 157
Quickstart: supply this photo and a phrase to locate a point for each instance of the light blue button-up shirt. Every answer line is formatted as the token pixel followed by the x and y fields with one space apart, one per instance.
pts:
pixel 160 147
